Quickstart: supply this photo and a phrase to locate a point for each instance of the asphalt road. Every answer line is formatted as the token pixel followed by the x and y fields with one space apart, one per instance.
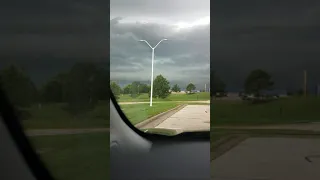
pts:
pixel 270 159
pixel 190 118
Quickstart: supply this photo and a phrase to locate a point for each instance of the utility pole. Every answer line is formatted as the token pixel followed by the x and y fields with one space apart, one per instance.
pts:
pixel 305 83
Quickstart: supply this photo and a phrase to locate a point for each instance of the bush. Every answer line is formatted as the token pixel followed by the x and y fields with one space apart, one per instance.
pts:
pixel 23 114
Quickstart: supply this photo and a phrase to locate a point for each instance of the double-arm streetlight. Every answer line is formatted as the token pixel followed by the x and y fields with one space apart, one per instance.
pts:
pixel 151 91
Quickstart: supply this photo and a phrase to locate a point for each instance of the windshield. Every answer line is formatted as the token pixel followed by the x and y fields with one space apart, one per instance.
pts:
pixel 265 74
pixel 55 72
pixel 160 64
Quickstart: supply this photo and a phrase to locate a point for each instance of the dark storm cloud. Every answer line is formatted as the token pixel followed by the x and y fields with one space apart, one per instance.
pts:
pixel 176 10
pixel 48 37
pixel 279 36
pixel 183 58
pixel 63 28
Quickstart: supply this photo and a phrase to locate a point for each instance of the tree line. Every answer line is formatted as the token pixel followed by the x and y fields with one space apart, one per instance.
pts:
pixel 161 88
pixel 86 83
pixel 256 82
pixel 81 87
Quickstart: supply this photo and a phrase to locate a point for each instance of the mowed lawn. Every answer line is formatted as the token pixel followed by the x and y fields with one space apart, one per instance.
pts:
pixel 54 115
pixel 202 96
pixel 137 113
pixel 282 111
pixel 80 157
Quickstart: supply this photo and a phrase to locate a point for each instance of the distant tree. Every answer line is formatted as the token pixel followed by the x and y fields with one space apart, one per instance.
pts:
pixel 161 87
pixel 83 86
pixel 144 88
pixel 190 87
pixel 257 81
pixel 19 88
pixel 102 84
pixel 53 91
pixel 135 89
pixel 218 86
pixel 176 88
pixel 299 92
pixel 127 89
pixel 116 89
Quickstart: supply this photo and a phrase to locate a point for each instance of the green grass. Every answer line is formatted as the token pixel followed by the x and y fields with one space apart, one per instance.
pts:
pixel 80 157
pixel 167 132
pixel 137 113
pixel 55 116
pixel 282 111
pixel 202 96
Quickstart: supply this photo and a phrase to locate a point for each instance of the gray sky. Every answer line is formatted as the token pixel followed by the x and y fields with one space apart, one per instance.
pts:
pixel 47 37
pixel 183 58
pixel 280 36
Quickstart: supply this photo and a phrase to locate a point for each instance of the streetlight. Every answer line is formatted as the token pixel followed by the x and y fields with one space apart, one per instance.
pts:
pixel 151 91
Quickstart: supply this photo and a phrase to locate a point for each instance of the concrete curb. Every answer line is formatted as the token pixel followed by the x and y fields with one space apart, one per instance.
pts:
pixel 152 120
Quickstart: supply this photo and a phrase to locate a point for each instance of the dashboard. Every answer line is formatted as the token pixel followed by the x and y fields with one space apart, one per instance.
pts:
pixel 139 156
pixel 166 160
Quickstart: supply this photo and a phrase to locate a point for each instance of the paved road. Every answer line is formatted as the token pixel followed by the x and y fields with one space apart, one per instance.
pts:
pixel 190 118
pixel 270 159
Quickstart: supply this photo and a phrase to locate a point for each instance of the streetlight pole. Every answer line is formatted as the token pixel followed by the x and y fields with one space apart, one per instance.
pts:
pixel 152 59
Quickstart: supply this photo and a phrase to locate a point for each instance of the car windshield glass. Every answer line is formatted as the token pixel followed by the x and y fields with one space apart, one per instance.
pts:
pixel 160 64
pixel 55 72
pixel 266 54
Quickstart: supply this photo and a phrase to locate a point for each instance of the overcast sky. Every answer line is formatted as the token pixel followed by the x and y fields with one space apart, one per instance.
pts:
pixel 280 36
pixel 47 37
pixel 184 58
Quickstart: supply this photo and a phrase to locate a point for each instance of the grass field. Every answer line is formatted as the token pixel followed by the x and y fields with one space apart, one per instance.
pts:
pixel 286 110
pixel 137 113
pixel 54 116
pixel 202 96
pixel 80 157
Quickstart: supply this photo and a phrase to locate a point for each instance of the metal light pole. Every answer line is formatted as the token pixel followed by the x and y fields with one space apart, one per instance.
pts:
pixel 151 91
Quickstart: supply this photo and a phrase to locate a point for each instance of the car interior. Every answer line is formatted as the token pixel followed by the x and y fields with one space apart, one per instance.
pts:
pixel 18 160
pixel 138 155
pixel 134 154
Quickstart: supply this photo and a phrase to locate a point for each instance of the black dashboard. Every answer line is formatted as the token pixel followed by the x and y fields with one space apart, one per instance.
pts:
pixel 166 160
